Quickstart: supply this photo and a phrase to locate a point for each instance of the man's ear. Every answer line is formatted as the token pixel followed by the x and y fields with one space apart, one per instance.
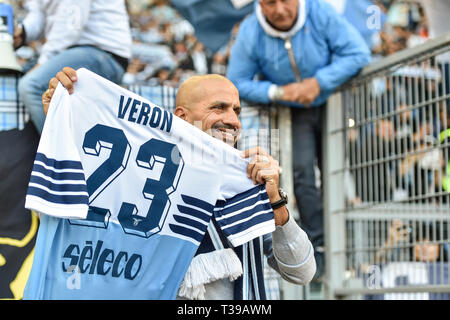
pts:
pixel 181 112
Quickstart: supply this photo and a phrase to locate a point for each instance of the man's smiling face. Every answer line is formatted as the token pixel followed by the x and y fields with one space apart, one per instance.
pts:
pixel 212 104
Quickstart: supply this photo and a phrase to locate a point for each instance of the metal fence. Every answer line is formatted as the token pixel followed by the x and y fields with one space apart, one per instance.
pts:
pixel 387 179
pixel 386 176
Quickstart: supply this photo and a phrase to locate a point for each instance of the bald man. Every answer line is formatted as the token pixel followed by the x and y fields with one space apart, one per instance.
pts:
pixel 211 102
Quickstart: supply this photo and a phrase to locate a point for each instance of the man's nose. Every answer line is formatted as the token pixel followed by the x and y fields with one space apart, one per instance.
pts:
pixel 232 119
pixel 279 8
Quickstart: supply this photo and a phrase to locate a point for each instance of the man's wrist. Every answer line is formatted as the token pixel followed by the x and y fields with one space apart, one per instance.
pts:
pixel 279 93
pixel 275 92
pixel 281 216
pixel 274 195
pixel 279 201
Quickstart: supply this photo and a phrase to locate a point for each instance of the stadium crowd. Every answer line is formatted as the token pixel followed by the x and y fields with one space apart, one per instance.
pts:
pixel 166 51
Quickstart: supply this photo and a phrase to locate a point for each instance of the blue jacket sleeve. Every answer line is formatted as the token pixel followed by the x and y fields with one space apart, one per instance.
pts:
pixel 349 50
pixel 243 66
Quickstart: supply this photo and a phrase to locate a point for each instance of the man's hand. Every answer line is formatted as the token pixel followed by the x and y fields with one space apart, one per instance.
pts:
pixel 18 37
pixel 304 92
pixel 265 169
pixel 291 92
pixel 67 77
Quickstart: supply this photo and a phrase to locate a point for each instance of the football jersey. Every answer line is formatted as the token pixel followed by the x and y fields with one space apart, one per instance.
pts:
pixel 127 191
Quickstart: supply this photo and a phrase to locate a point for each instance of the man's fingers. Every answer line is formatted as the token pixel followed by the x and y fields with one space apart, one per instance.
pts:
pixel 53 83
pixel 261 160
pixel 262 167
pixel 264 175
pixel 67 77
pixel 65 80
pixel 254 151
pixel 46 97
pixel 70 73
pixel 304 99
pixel 255 160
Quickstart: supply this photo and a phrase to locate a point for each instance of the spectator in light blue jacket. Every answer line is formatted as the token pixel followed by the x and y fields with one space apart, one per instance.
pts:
pixel 297 52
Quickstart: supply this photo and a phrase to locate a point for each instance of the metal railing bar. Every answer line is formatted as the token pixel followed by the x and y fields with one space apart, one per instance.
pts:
pixel 429 47
pixel 390 114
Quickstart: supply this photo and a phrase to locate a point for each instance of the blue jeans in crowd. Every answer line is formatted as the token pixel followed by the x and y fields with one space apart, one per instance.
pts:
pixel 307 126
pixel 34 83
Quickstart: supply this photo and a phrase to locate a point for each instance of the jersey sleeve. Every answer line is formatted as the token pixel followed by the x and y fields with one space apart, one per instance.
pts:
pixel 244 212
pixel 57 184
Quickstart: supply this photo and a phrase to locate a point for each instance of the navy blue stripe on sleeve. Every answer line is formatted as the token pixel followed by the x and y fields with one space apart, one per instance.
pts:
pixel 241 196
pixel 58 175
pixel 247 212
pixel 250 202
pixel 247 224
pixel 58 187
pixel 64 164
pixel 244 211
pixel 58 198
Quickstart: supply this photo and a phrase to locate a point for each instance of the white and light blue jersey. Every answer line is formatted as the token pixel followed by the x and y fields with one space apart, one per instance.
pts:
pixel 127 190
